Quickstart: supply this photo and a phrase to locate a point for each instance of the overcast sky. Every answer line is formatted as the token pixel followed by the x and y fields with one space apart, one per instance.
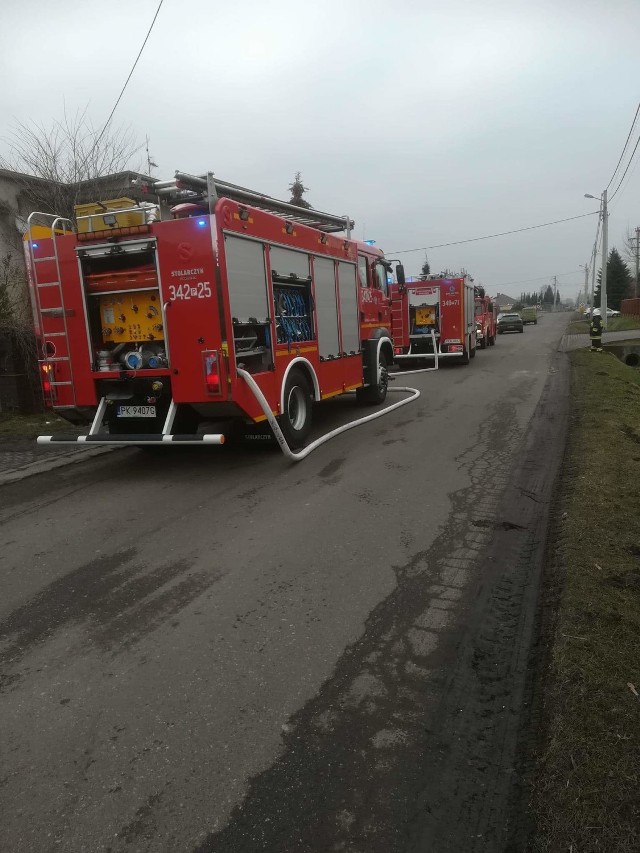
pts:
pixel 426 121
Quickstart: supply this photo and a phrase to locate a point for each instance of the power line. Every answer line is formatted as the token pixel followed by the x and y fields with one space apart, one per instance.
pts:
pixel 613 195
pixel 528 280
pixel 626 183
pixel 633 124
pixel 126 82
pixel 491 236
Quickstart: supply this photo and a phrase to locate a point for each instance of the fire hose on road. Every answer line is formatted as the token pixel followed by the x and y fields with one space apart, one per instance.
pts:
pixel 298 456
pixel 302 454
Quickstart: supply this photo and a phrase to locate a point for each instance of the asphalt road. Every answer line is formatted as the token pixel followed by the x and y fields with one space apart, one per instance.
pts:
pixel 218 651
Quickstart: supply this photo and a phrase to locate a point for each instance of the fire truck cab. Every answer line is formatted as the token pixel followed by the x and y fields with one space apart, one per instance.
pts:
pixel 145 312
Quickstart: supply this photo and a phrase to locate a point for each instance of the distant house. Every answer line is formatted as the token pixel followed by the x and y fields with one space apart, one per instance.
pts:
pixel 504 302
pixel 21 194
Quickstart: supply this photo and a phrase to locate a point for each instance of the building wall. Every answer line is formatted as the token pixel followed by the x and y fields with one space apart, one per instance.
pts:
pixel 13 214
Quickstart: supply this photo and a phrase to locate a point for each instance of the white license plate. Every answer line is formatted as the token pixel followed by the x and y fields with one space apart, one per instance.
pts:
pixel 136 411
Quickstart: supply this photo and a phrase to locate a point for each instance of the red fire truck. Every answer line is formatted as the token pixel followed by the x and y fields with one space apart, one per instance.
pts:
pixel 486 312
pixel 144 312
pixel 439 310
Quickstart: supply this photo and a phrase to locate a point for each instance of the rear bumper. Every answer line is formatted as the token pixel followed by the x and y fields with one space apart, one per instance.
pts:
pixel 132 439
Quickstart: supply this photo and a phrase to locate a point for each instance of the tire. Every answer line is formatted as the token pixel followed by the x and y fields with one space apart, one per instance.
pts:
pixel 472 352
pixel 295 421
pixel 484 343
pixel 535 322
pixel 465 356
pixel 492 340
pixel 521 330
pixel 373 395
pixel 500 331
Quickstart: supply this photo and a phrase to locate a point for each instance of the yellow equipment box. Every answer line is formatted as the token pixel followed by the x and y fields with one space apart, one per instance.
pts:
pixel 426 315
pixel 102 218
pixel 131 317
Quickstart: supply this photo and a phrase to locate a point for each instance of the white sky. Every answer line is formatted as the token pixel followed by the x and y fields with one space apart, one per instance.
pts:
pixel 427 122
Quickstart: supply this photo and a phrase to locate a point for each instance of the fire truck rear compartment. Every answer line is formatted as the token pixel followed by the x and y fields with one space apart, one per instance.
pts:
pixel 124 306
pixel 424 317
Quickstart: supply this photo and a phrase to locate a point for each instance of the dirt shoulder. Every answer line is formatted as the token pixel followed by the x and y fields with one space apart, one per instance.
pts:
pixel 586 793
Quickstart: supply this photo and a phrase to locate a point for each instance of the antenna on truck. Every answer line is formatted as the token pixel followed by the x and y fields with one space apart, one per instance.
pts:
pixel 207 189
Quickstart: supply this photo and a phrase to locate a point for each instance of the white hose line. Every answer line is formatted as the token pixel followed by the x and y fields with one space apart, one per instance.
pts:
pixel 302 454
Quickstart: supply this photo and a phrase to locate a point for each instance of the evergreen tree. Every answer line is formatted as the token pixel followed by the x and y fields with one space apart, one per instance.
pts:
pixel 297 190
pixel 426 269
pixel 548 295
pixel 618 279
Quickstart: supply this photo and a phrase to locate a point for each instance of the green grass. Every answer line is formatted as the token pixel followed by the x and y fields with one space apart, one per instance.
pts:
pixel 614 324
pixel 587 796
pixel 28 426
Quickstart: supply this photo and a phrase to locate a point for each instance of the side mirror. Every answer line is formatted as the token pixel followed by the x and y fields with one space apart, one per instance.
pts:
pixel 400 274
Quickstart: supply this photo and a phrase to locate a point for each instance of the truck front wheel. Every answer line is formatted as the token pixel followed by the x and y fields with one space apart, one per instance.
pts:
pixel 296 418
pixel 373 395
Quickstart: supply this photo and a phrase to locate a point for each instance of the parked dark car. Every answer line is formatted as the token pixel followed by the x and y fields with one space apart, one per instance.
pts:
pixel 510 323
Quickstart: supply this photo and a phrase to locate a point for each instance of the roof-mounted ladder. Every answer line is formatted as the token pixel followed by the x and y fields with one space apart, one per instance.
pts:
pixel 207 189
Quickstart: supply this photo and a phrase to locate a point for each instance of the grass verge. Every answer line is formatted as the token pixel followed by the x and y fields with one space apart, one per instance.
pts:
pixel 587 792
pixel 29 426
pixel 614 324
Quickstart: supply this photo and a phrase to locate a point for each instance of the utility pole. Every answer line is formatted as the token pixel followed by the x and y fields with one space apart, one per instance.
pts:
pixel 637 286
pixel 586 280
pixel 555 292
pixel 605 256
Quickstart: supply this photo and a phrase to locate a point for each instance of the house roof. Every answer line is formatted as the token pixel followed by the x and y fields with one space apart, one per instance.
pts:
pixel 503 299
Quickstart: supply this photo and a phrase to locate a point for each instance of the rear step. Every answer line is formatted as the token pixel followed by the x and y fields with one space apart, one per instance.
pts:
pixel 134 438
pixel 96 436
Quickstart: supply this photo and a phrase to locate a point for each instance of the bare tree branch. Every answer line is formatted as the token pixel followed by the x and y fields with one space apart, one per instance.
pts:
pixel 67 160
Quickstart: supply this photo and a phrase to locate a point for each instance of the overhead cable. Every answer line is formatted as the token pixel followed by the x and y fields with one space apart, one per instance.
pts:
pixel 126 82
pixel 615 192
pixel 491 236
pixel 633 124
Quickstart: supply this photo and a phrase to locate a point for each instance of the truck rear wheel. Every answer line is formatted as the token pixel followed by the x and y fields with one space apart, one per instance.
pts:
pixel 373 395
pixel 484 342
pixel 295 420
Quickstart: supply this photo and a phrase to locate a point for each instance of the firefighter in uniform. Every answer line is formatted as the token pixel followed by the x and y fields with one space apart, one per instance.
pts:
pixel 595 333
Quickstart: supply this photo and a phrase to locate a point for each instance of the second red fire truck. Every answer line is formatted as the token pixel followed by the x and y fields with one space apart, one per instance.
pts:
pixel 145 312
pixel 437 311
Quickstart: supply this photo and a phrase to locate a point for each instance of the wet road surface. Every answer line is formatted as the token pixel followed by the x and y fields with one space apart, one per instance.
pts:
pixel 218 651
